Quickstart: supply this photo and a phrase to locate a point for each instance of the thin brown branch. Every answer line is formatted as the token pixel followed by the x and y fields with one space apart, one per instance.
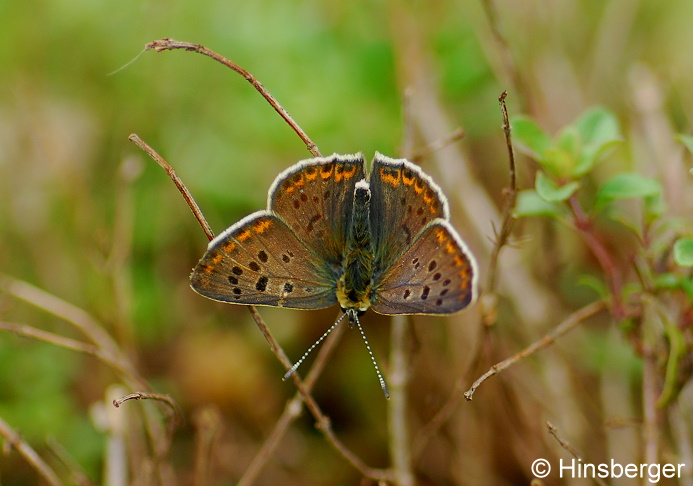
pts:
pixel 107 351
pixel 29 454
pixel 563 443
pixel 572 450
pixel 27 331
pixel 400 446
pixel 170 402
pixel 458 392
pixel 489 302
pixel 292 410
pixel 569 323
pixel 134 138
pixel 171 44
pixel 323 422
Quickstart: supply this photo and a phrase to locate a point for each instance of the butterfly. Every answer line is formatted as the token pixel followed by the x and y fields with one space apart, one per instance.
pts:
pixel 332 235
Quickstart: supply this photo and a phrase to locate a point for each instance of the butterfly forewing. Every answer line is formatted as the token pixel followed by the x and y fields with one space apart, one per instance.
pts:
pixel 261 261
pixel 435 275
pixel 403 201
pixel 315 197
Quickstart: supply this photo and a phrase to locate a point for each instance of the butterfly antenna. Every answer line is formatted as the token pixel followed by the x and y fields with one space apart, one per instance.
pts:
pixel 293 369
pixel 383 385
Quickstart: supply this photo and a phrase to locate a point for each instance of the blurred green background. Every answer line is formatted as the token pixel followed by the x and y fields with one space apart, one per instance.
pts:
pixel 86 217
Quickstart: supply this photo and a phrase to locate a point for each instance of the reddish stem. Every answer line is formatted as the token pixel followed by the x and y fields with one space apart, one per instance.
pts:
pixel 613 277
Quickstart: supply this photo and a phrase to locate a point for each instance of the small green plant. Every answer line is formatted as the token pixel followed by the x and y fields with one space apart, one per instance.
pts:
pixel 645 282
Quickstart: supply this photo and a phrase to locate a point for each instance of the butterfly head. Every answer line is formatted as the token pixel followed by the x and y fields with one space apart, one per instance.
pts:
pixel 352 301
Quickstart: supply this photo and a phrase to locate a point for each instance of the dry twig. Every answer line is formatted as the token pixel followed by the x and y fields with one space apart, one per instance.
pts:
pixel 569 323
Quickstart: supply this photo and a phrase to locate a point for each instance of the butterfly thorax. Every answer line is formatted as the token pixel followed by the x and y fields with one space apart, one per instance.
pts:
pixel 354 286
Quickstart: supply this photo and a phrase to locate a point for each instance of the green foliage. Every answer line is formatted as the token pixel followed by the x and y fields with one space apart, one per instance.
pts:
pixel 571 156
pixel 567 165
pixel 576 149
pixel 529 204
pixel 550 191
pixel 683 252
pixel 687 140
pixel 627 185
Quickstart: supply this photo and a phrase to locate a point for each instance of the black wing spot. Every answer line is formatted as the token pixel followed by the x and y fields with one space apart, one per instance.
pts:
pixel 424 294
pixel 432 265
pixel 233 280
pixel 444 292
pixel 237 271
pixel 437 276
pixel 237 291
pixel 286 258
pixel 254 266
pixel 288 288
pixel 439 302
pixel 262 256
pixel 297 204
pixel 446 282
pixel 261 284
pixel 406 294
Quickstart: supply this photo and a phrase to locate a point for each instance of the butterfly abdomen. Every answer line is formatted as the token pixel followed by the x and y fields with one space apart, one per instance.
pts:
pixel 354 287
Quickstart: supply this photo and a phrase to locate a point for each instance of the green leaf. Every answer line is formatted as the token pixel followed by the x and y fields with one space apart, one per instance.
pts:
pixel 591 155
pixel 627 185
pixel 549 191
pixel 600 132
pixel 529 204
pixel 683 252
pixel 597 126
pixel 687 140
pixel 667 280
pixel 655 207
pixel 558 162
pixel 529 137
pixel 570 141
pixel 671 281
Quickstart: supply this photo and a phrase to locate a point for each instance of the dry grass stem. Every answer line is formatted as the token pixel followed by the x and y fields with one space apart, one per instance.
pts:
pixel 569 323
pixel 170 44
pixel 29 454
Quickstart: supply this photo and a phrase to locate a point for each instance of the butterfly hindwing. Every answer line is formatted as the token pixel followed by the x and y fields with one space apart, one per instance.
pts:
pixel 435 275
pixel 261 261
pixel 315 197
